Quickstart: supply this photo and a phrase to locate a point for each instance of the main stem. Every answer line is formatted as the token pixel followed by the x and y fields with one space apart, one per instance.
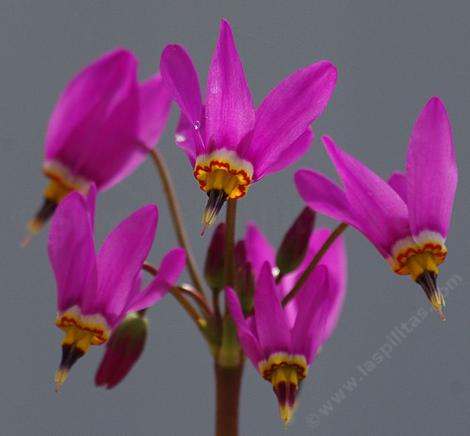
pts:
pixel 228 365
pixel 227 391
pixel 176 217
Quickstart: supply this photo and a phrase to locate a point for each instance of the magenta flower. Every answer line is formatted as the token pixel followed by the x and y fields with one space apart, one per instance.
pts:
pixel 406 219
pixel 97 290
pixel 229 144
pixel 282 342
pixel 101 129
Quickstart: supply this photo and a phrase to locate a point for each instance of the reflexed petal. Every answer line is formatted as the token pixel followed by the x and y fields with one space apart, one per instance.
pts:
pixel 398 182
pixel 170 269
pixel 292 153
pixel 71 249
pixel 187 138
pixel 381 213
pixel 335 259
pixel 154 107
pixel 323 196
pixel 271 323
pixel 248 340
pixel 120 260
pixel 229 107
pixel 86 104
pixel 258 249
pixel 180 77
pixel 120 151
pixel 313 304
pixel 431 170
pixel 91 205
pixel 287 111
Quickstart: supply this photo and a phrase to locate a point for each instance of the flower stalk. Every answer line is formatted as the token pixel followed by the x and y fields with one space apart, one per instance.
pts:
pixel 177 220
pixel 315 261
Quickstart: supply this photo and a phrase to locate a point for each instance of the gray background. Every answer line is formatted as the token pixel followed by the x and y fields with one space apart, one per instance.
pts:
pixel 392 56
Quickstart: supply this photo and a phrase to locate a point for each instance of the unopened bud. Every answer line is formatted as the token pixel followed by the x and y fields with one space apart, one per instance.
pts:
pixel 122 350
pixel 294 246
pixel 214 266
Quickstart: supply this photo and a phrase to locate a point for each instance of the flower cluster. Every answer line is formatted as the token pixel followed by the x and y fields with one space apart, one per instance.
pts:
pixel 281 305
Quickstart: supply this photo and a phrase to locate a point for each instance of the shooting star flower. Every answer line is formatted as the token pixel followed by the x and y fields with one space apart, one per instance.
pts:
pixel 102 128
pixel 230 145
pixel 408 218
pixel 97 290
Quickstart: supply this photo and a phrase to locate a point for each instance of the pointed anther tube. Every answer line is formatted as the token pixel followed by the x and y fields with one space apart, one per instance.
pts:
pixel 216 200
pixel 70 355
pixel 428 281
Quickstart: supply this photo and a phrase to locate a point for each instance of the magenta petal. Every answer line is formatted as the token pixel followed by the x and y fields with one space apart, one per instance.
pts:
pixel 91 205
pixel 120 260
pixel 85 105
pixel 229 107
pixel 288 110
pixel 313 303
pixel 155 102
pixel 431 170
pixel 271 323
pixel 292 153
pixel 170 269
pixel 398 182
pixel 379 210
pixel 248 340
pixel 181 79
pixel 258 248
pixel 335 259
pixel 71 249
pixel 187 138
pixel 323 196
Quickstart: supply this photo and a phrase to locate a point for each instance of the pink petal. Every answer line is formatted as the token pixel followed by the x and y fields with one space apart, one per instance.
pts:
pixel 187 138
pixel 335 260
pixel 431 170
pixel 323 196
pixel 292 153
pixel 379 210
pixel 71 249
pixel 120 151
pixel 119 262
pixel 181 79
pixel 313 303
pixel 230 113
pixel 155 103
pixel 398 182
pixel 85 105
pixel 286 113
pixel 271 323
pixel 170 269
pixel 91 205
pixel 258 248
pixel 248 340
